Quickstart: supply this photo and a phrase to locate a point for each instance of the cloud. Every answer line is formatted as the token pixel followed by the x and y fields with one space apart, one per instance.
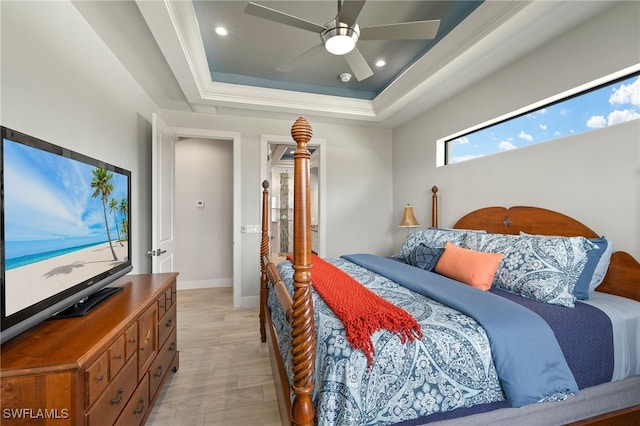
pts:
pixel 596 122
pixel 461 141
pixel 525 136
pixel 618 116
pixel 543 126
pixel 506 145
pixel 565 111
pixel 626 94
pixel 614 117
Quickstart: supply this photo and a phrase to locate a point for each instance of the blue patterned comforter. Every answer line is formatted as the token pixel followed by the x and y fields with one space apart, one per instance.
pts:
pixel 450 367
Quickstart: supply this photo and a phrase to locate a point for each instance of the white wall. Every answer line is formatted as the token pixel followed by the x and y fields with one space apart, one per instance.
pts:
pixel 62 84
pixel 594 177
pixel 358 184
pixel 204 239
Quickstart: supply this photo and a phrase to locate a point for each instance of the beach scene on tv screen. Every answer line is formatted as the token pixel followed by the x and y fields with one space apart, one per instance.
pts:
pixel 65 221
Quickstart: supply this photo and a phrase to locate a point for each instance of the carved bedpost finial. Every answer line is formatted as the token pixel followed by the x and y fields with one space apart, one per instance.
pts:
pixel 301 132
pixel 265 184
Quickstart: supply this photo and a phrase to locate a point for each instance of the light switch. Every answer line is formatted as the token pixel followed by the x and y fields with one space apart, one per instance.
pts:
pixel 250 229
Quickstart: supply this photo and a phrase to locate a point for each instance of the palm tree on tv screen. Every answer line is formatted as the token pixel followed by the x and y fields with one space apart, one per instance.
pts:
pixel 102 185
pixel 124 210
pixel 113 207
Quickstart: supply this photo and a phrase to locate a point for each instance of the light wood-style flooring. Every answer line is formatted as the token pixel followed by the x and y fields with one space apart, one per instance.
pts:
pixel 225 372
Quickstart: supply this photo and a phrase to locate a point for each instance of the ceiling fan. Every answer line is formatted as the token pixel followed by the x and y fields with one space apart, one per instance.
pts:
pixel 340 35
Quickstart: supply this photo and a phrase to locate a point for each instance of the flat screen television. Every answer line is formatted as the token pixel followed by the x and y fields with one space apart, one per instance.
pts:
pixel 65 231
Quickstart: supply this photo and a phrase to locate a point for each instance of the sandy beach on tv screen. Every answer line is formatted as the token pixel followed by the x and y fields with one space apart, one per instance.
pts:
pixel 32 283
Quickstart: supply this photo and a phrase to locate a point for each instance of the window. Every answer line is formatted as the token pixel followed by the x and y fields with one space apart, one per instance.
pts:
pixel 606 102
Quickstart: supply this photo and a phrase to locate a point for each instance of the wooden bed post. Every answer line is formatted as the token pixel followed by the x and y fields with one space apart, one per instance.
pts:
pixel 303 344
pixel 434 206
pixel 264 251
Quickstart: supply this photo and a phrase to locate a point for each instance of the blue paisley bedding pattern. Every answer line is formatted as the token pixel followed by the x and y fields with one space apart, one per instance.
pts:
pixel 451 367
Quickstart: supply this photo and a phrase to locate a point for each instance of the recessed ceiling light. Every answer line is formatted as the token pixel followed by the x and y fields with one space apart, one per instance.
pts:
pixel 222 31
pixel 380 63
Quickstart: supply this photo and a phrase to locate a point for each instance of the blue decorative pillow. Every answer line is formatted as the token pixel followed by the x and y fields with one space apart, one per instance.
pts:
pixel 432 237
pixel 594 255
pixel 603 263
pixel 425 257
pixel 544 268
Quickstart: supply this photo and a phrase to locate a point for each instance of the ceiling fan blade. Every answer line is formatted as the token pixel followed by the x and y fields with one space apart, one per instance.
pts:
pixel 265 12
pixel 350 10
pixel 358 64
pixel 293 63
pixel 416 30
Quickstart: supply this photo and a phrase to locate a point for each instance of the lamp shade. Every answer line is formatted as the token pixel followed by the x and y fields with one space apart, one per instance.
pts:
pixel 408 218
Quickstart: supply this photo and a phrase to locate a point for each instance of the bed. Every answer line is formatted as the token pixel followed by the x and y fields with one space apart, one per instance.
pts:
pixel 314 388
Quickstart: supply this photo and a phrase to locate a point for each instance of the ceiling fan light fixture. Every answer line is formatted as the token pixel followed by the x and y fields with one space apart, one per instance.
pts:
pixel 340 39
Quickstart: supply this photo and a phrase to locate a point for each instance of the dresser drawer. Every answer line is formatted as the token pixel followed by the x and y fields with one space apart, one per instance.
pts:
pixel 167 324
pixel 116 357
pixel 162 363
pixel 131 341
pixel 169 295
pixel 97 377
pixel 137 407
pixel 163 305
pixel 147 338
pixel 108 407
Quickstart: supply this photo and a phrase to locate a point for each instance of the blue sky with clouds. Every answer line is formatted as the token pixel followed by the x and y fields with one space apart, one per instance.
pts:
pixel 49 197
pixel 606 106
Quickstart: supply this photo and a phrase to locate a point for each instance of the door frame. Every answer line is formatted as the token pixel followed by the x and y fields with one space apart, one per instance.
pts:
pixel 184 132
pixel 265 140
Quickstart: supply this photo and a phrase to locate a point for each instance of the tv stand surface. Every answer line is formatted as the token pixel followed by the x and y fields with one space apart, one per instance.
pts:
pixel 105 368
pixel 85 306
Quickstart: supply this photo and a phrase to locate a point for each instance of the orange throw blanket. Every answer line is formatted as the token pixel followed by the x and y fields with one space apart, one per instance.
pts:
pixel 361 311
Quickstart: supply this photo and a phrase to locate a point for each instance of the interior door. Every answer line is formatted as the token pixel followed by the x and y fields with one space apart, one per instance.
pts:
pixel 162 197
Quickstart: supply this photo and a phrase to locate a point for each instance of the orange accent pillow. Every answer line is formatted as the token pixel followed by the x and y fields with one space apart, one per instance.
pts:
pixel 471 267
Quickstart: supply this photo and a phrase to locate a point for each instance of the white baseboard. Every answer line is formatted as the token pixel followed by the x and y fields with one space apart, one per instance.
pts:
pixel 246 302
pixel 193 284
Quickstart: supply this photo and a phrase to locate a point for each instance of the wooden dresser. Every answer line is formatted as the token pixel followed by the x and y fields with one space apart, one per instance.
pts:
pixel 101 369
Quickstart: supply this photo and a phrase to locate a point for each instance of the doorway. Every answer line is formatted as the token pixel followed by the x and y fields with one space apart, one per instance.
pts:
pixel 277 168
pixel 234 138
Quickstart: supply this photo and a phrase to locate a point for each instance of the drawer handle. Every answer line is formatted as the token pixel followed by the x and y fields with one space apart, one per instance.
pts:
pixel 162 306
pixel 168 324
pixel 118 399
pixel 140 409
pixel 172 347
pixel 118 357
pixel 133 340
pixel 100 378
pixel 159 372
